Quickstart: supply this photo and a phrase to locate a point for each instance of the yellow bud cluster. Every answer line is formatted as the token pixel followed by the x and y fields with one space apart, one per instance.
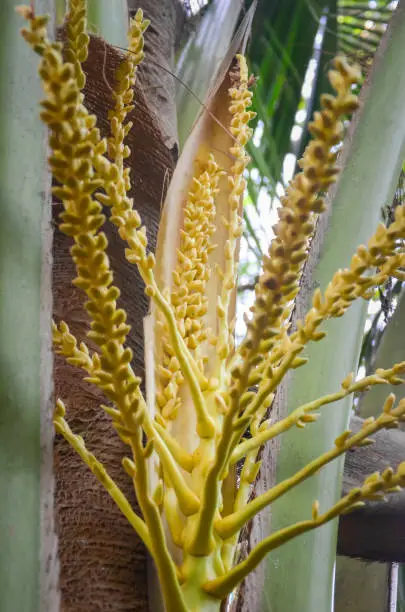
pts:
pixel 190 279
pixel 137 27
pixel 110 372
pixel 192 272
pixel 66 344
pixel 36 34
pixel 376 485
pixel 241 100
pixel 77 38
pixel 385 252
pixel 374 488
pixel 279 282
pixel 115 378
pixel 115 178
pixel 124 95
pixel 76 149
pixel 75 144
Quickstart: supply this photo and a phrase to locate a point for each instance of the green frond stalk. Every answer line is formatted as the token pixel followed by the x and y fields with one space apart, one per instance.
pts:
pixel 392 347
pixel 25 308
pixel 109 20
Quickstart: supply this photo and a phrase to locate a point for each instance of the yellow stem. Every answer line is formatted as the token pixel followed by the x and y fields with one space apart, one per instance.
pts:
pixel 102 475
pixel 183 458
pixel 172 595
pixel 229 525
pixel 188 501
pixel 264 435
pixel 222 586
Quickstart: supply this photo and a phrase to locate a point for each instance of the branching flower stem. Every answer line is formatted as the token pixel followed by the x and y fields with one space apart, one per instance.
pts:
pixel 303 414
pixel 374 486
pixel 82 219
pixel 229 525
pixel 384 252
pixel 116 183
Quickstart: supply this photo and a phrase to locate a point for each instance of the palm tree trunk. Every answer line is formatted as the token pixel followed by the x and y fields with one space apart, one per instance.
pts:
pixel 156 72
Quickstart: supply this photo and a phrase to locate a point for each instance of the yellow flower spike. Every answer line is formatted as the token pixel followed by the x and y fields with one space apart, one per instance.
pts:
pixel 77 38
pixel 300 205
pixel 36 34
pixel 191 274
pixel 199 538
pixel 241 99
pixel 123 95
pixel 349 284
pixel 66 344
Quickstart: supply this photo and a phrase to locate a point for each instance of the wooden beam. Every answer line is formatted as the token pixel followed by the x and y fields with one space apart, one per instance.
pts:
pixel 377 532
pixel 361 586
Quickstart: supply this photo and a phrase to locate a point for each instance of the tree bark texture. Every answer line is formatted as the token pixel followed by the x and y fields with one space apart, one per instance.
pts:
pixel 156 73
pixel 103 563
